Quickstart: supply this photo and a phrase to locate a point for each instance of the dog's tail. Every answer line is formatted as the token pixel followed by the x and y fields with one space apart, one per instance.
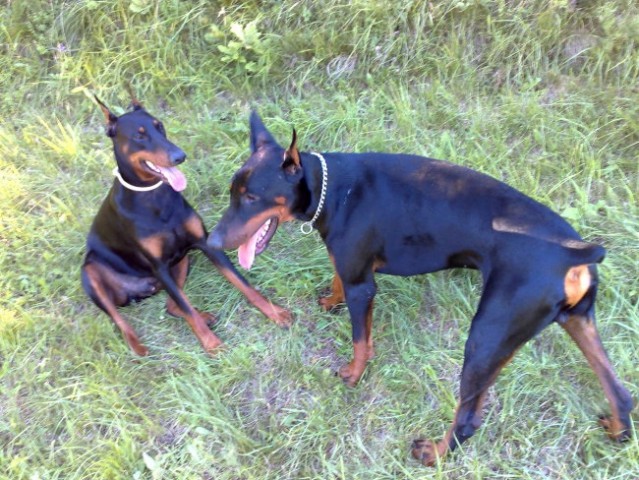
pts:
pixel 583 253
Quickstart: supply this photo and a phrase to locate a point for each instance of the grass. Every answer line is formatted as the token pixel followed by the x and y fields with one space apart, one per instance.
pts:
pixel 540 94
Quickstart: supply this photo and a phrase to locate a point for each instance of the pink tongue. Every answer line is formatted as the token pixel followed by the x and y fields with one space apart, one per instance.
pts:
pixel 246 252
pixel 176 179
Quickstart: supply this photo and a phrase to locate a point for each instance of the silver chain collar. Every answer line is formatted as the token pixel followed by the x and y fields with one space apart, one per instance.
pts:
pixel 307 227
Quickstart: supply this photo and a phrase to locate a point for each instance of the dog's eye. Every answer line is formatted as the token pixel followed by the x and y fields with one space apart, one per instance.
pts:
pixel 160 128
pixel 250 198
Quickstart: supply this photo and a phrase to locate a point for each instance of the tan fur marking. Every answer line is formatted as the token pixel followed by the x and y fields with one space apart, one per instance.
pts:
pixel 153 245
pixel 95 275
pixel 337 290
pixel 336 296
pixel 576 284
pixel 352 372
pixel 143 174
pixel 141 130
pixel 583 331
pixel 284 214
pixel 280 316
pixel 428 451
pixel 194 226
pixel 159 159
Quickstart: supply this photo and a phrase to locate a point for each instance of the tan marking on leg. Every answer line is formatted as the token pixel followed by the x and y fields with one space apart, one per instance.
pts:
pixel 576 283
pixel 352 372
pixel 363 350
pixel 94 273
pixel 336 297
pixel 179 273
pixel 428 451
pixel 369 333
pixel 369 319
pixel 279 315
pixel 337 291
pixel 210 342
pixel 584 332
pixel 362 353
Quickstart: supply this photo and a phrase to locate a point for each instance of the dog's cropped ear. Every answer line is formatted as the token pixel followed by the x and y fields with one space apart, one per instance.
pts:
pixel 260 136
pixel 135 103
pixel 291 162
pixel 110 118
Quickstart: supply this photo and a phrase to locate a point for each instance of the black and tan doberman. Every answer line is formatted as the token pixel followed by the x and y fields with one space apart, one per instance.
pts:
pixel 408 215
pixel 139 240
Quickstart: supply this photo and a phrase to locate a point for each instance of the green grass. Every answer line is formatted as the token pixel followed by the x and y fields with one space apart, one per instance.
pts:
pixel 540 94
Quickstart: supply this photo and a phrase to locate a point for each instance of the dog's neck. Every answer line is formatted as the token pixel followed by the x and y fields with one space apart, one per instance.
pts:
pixel 134 188
pixel 317 200
pixel 309 188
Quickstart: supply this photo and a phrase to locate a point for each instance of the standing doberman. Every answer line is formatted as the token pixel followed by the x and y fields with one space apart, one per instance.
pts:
pixel 139 240
pixel 408 215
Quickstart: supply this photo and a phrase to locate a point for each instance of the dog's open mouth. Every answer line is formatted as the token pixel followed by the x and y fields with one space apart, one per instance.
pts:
pixel 171 175
pixel 257 243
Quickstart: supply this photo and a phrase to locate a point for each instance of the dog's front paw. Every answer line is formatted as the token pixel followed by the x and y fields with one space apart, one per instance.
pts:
pixel 615 430
pixel 330 303
pixel 425 451
pixel 208 318
pixel 351 373
pixel 282 317
pixel 135 345
pixel 212 345
pixel 175 311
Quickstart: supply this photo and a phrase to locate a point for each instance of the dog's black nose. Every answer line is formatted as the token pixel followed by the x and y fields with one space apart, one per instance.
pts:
pixel 177 156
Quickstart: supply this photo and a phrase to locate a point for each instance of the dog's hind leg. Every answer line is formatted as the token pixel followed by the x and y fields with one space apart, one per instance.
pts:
pixel 583 331
pixel 109 290
pixel 504 321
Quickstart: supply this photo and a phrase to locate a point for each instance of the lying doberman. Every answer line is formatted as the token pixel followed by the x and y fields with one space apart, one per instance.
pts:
pixel 407 215
pixel 139 239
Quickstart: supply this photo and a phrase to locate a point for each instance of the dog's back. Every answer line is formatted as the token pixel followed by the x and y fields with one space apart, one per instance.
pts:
pixel 429 215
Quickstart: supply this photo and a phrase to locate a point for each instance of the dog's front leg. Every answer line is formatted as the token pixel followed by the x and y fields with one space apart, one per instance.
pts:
pixel 359 298
pixel 179 272
pixel 196 321
pixel 279 315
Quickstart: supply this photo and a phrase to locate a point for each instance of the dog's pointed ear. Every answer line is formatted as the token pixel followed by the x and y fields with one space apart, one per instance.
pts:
pixel 110 118
pixel 291 161
pixel 135 103
pixel 260 136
